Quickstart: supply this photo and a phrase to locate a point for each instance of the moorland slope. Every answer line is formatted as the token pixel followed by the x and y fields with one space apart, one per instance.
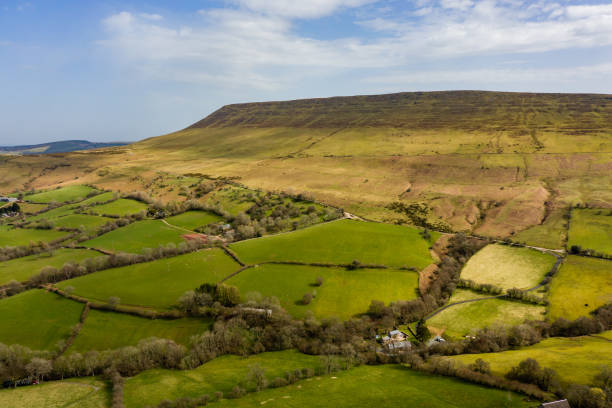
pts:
pixel 491 163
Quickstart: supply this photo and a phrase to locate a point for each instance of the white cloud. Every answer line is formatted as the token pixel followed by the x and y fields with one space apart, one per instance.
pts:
pixel 152 17
pixel 255 46
pixel 300 8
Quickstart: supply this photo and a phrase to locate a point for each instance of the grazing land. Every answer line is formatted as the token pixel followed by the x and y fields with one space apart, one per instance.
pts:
pixel 37 319
pixel 137 236
pixel 24 236
pixel 120 207
pixel 84 392
pixel 342 242
pixel 591 229
pixel 156 284
pixel 575 359
pixel 581 285
pixel 193 219
pixel 459 320
pixel 550 234
pixel 61 195
pixel 29 208
pixel 373 386
pixel 89 223
pixel 508 267
pixel 100 198
pixel 220 374
pixel 344 293
pixel 108 331
pixel 21 269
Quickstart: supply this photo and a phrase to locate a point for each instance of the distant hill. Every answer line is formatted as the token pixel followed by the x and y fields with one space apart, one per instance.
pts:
pixel 56 147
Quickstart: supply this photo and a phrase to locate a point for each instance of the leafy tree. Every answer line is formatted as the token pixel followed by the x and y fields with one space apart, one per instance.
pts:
pixel 422 331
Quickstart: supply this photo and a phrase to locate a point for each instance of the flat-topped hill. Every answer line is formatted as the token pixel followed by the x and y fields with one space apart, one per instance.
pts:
pixel 466 110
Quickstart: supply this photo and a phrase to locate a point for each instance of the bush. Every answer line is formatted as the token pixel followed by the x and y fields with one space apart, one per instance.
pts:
pixel 307 298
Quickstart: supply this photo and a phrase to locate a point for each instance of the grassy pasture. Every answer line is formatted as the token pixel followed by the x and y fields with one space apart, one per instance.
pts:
pixel 380 386
pixel 581 285
pixel 342 242
pixel 37 319
pixel 220 374
pixel 508 267
pixel 21 269
pixel 591 229
pixel 575 359
pixel 120 207
pixel 23 236
pixel 61 195
pixel 53 214
pixel 100 198
pixel 74 393
pixel 233 199
pixel 551 234
pixel 29 208
pixel 459 320
pixel 75 221
pixel 155 284
pixel 137 236
pixel 107 330
pixel 343 293
pixel 193 219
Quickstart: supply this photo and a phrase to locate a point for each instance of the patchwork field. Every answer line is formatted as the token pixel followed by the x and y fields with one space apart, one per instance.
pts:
pixel 20 269
pixel 155 284
pixel 24 236
pixel 232 199
pixel 29 208
pixel 459 320
pixel 90 223
pixel 378 386
pixel 137 236
pixel 344 293
pixel 341 242
pixel 591 229
pixel 575 359
pixel 107 331
pixel 508 267
pixel 193 219
pixel 84 392
pixel 100 198
pixel 120 207
pixel 220 374
pixel 581 285
pixel 37 319
pixel 61 195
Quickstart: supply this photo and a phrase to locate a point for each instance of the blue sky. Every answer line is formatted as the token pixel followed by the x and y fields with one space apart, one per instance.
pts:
pixel 127 70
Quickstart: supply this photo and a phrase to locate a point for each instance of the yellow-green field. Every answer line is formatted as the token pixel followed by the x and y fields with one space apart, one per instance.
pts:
pixel 576 360
pixel 78 393
pixel 591 229
pixel 581 285
pixel 508 267
pixel 459 320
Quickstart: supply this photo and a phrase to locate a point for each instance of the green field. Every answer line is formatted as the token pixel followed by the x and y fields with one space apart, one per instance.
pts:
pixel 108 330
pixel 551 234
pixel 53 214
pixel 575 359
pixel 21 269
pixel 343 294
pixel 156 284
pixel 23 236
pixel 460 320
pixel 100 198
pixel 137 236
pixel 233 199
pixel 120 207
pixel 581 285
pixel 380 386
pixel 220 374
pixel 37 319
pixel 90 223
pixel 341 242
pixel 193 219
pixel 591 229
pixel 61 195
pixel 508 267
pixel 74 393
pixel 29 208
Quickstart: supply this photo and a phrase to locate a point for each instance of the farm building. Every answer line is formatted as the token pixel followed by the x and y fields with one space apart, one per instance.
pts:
pixel 396 341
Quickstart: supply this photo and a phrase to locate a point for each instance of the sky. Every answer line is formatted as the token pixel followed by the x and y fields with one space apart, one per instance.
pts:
pixel 128 70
